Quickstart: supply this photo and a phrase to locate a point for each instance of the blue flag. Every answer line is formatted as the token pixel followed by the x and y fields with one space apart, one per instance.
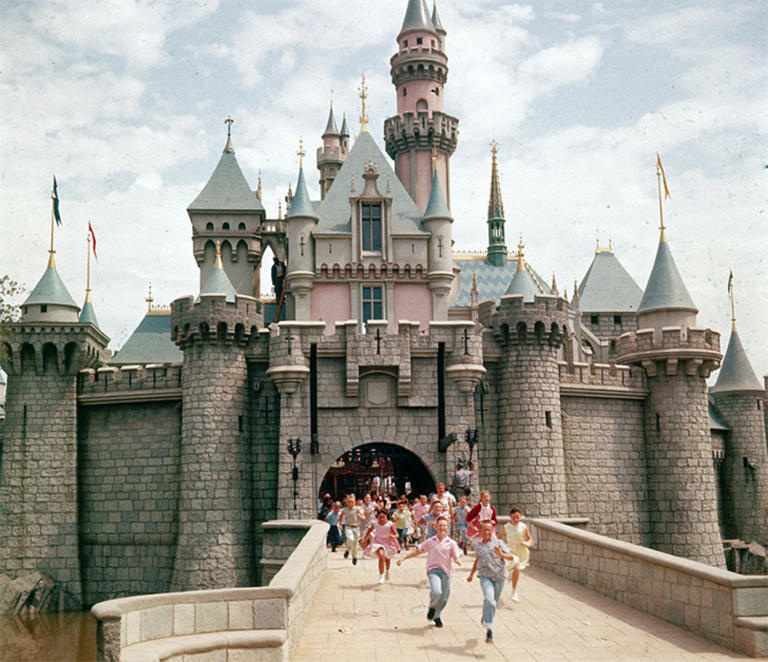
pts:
pixel 55 198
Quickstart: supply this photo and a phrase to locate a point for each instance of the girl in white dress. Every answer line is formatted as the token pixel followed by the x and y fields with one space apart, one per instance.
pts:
pixel 520 541
pixel 383 543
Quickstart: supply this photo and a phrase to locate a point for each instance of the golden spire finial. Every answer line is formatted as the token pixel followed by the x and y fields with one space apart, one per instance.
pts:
pixel 733 305
pixel 149 298
pixel 575 288
pixel 217 264
pixel 661 177
pixel 229 122
pixel 494 148
pixel 258 187
pixel 279 210
pixel 554 283
pixel 363 96
pixel 520 259
pixel 597 242
pixel 434 157
pixel 331 98
pixel 301 153
pixel 474 283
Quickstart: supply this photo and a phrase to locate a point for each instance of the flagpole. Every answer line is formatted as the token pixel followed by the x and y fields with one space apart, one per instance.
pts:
pixel 663 237
pixel 88 267
pixel 51 262
pixel 733 306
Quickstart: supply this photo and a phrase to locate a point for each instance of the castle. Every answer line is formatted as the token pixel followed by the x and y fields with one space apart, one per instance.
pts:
pixel 153 470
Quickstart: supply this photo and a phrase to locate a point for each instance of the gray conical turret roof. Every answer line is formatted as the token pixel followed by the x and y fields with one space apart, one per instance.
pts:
pixel 218 282
pixel 436 19
pixel 437 207
pixel 330 127
pixel 665 288
pixel 301 205
pixel 607 287
pixel 88 314
pixel 417 17
pixel 50 290
pixel 344 130
pixel 736 373
pixel 227 189
pixel 523 283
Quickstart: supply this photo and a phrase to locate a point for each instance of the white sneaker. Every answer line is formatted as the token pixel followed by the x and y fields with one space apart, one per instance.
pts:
pixel 381 579
pixel 515 596
pixel 386 576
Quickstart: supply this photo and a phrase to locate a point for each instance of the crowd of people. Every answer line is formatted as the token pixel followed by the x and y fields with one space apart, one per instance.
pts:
pixel 441 525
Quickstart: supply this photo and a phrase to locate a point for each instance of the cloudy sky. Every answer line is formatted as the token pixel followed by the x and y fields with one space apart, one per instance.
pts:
pixel 125 102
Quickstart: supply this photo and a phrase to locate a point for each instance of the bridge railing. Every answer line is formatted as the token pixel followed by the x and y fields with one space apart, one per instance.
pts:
pixel 720 605
pixel 168 626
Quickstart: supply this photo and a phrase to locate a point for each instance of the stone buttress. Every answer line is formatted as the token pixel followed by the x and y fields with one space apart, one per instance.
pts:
pixel 39 493
pixel 530 444
pixel 215 540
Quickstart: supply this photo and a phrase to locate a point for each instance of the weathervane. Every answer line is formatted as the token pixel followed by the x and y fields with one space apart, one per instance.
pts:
pixel 363 96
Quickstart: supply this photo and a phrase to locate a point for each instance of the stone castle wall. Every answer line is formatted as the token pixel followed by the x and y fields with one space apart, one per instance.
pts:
pixel 128 481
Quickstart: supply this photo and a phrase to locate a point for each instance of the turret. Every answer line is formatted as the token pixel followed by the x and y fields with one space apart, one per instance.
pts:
pixel 739 396
pixel 299 224
pixel 677 358
pixel 438 25
pixel 439 222
pixel 497 247
pixel 419 71
pixel 214 548
pixel 38 485
pixel 228 211
pixel 330 157
pixel 529 332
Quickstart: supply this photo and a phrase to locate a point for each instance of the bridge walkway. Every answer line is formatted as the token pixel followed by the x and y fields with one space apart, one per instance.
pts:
pixel 353 618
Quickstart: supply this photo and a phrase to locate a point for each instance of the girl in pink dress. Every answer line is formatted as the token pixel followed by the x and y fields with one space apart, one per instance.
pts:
pixel 383 543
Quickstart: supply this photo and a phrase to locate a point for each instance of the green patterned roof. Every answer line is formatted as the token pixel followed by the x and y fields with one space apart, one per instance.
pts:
pixel 736 373
pixel 492 281
pixel 607 287
pixel 227 189
pixel 50 290
pixel 665 288
pixel 333 212
pixel 149 343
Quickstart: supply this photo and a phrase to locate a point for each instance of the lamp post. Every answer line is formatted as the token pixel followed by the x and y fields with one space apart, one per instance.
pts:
pixel 294 448
pixel 471 437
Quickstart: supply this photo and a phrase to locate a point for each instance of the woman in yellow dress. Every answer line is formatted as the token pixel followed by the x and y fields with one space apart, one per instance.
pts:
pixel 520 541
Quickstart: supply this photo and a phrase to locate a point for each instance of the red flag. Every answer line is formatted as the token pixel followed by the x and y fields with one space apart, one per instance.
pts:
pixel 93 240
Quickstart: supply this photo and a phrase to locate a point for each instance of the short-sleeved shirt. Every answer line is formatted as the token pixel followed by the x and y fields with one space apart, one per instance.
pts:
pixel 349 516
pixel 489 564
pixel 439 554
pixel 333 518
pixel 419 510
pixel 401 520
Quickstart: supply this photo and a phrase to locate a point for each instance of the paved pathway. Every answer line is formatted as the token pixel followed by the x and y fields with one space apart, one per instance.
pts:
pixel 355 619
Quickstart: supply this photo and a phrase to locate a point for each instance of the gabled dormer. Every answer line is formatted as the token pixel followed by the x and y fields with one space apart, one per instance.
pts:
pixel 371 214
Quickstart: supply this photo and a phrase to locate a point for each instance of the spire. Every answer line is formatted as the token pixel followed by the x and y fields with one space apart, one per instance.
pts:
pixel 417 18
pixel 330 127
pixel 554 284
pixel 520 257
pixel 87 314
pixel 437 207
pixel 665 288
pixel 258 187
pixel 436 20
pixel 522 282
pixel 218 282
pixel 497 248
pixel 363 116
pixel 344 130
pixel 301 205
pixel 736 373
pixel 229 122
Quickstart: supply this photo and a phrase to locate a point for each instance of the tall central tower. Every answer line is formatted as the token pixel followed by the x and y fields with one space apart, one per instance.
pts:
pixel 421 131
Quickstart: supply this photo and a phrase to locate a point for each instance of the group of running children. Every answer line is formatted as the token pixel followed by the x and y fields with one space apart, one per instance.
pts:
pixel 383 529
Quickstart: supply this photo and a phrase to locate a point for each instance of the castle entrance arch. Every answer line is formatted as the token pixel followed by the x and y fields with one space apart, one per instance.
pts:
pixel 381 467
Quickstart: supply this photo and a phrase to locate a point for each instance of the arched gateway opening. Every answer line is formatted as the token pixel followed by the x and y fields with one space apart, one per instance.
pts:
pixel 385 468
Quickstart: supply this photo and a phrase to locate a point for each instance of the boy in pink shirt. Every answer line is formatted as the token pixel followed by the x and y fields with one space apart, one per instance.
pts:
pixel 420 508
pixel 441 550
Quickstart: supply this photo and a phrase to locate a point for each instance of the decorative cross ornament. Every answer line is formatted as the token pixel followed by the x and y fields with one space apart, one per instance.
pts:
pixel 466 342
pixel 440 247
pixel 378 341
pixel 288 339
pixel 302 243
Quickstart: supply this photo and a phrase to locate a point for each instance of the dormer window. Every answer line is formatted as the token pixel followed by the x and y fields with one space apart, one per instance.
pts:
pixel 370 220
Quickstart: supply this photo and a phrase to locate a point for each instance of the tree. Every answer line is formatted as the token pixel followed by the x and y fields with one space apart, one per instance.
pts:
pixel 9 311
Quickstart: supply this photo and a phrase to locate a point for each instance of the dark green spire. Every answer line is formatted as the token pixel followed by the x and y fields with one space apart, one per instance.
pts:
pixel 497 248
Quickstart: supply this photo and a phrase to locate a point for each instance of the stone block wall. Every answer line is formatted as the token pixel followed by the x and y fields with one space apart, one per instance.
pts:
pixel 722 606
pixel 128 477
pixel 605 465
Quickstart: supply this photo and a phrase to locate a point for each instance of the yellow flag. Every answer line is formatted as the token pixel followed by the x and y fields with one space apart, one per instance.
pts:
pixel 663 176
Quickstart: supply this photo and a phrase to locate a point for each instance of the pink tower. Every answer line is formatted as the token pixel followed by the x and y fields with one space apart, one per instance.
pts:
pixel 421 131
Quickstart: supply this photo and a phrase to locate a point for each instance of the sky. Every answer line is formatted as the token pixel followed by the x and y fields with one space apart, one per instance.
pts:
pixel 125 101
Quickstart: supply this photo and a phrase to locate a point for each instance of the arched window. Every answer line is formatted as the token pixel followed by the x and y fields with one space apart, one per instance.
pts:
pixel 241 226
pixel 421 106
pixel 225 226
pixel 209 226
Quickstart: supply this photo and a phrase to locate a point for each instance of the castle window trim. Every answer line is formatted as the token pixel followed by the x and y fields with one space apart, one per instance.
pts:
pixel 372 302
pixel 371 227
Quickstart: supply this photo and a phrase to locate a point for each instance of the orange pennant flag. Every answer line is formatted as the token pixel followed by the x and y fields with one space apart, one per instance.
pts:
pixel 663 176
pixel 93 240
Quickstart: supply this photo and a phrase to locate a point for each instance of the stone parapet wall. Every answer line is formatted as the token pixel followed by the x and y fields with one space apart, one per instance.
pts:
pixel 722 606
pixel 211 318
pixel 673 337
pixel 152 377
pixel 262 623
pixel 600 374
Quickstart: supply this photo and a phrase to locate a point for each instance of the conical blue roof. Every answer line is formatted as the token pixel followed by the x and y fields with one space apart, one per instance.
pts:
pixel 301 205
pixel 437 207
pixel 736 373
pixel 344 129
pixel 417 17
pixel 227 189
pixel 523 283
pixel 436 19
pixel 88 314
pixel 50 290
pixel 665 288
pixel 218 283
pixel 330 127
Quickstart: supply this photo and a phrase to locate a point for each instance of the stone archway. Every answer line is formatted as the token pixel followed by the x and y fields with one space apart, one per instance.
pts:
pixel 386 467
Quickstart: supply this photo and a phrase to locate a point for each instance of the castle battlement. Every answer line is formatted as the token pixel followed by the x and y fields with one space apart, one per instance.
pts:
pixel 542 320
pixel 601 374
pixel 672 338
pixel 152 377
pixel 211 318
pixel 411 130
